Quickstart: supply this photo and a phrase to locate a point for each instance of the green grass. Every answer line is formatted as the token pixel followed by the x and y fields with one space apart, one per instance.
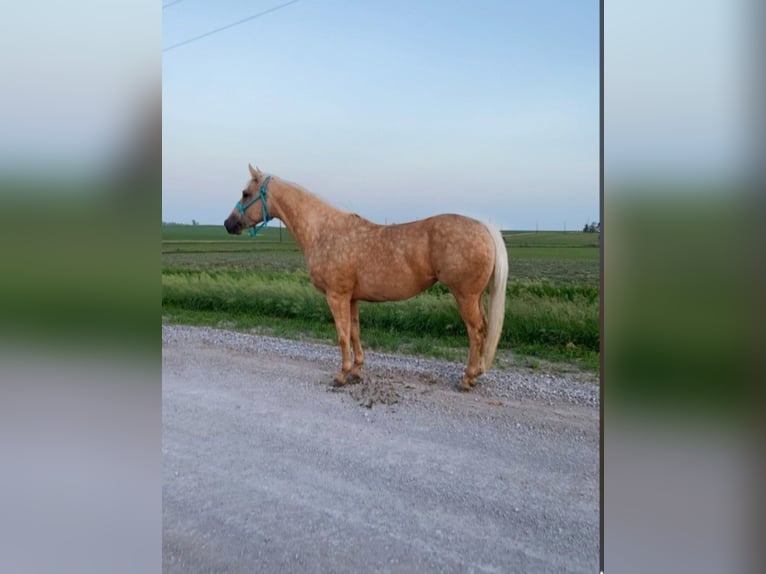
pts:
pixel 553 253
pixel 261 284
pixel 266 258
pixel 543 318
pixel 551 239
pixel 254 261
pixel 198 233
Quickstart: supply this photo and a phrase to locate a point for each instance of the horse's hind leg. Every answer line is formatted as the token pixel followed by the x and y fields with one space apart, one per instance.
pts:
pixel 471 312
pixel 340 306
pixel 356 370
pixel 484 324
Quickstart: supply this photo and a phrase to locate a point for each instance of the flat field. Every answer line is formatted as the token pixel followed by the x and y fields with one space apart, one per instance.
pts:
pixel 211 278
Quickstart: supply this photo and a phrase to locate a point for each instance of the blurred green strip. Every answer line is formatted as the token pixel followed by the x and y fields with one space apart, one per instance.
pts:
pixel 679 302
pixel 80 263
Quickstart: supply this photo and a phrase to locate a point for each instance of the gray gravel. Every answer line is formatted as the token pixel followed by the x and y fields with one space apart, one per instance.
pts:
pixel 512 383
pixel 267 468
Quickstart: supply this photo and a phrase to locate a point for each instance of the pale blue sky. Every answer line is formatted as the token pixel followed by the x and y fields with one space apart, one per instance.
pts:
pixel 396 110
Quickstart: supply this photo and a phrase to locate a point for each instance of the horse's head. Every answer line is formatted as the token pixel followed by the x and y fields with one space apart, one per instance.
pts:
pixel 249 210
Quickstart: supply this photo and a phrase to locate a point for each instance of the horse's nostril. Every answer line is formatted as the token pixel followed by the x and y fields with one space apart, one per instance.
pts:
pixel 233 226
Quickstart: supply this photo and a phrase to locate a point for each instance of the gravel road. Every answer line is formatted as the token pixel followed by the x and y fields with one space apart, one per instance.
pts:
pixel 268 468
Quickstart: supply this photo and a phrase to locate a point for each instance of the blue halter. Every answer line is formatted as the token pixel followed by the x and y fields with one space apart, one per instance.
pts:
pixel 253 230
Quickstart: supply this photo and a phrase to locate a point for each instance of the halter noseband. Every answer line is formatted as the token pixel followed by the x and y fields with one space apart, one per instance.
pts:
pixel 253 229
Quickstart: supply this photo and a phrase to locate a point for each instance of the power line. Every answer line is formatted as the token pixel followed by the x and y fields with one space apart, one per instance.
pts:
pixel 170 4
pixel 222 28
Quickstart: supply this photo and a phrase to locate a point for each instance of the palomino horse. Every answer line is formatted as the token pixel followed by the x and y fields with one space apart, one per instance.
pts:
pixel 350 259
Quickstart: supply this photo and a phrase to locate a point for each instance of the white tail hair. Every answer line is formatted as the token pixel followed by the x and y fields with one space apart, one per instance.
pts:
pixel 496 303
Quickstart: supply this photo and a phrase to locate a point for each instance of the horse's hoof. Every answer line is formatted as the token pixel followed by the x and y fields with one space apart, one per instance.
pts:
pixel 337 382
pixel 353 379
pixel 464 386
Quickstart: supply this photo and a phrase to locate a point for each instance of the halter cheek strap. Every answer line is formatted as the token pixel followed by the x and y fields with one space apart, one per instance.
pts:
pixel 253 230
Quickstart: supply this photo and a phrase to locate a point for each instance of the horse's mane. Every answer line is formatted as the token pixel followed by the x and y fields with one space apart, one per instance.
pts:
pixel 299 187
pixel 288 182
pixel 313 195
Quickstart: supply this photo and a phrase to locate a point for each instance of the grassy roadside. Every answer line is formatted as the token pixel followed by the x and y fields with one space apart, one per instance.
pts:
pixel 555 323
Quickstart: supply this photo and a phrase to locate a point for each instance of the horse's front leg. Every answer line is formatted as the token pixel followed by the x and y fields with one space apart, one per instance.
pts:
pixel 356 370
pixel 340 306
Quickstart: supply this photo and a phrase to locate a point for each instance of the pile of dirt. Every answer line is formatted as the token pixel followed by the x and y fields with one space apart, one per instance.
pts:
pixel 370 390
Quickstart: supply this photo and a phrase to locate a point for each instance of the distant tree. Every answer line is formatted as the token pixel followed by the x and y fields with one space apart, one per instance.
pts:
pixel 592 227
pixel 195 222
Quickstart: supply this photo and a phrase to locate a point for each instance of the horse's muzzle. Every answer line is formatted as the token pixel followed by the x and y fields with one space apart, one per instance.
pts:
pixel 233 225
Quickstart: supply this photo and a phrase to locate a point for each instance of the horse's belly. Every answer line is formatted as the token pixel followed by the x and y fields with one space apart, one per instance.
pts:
pixel 391 289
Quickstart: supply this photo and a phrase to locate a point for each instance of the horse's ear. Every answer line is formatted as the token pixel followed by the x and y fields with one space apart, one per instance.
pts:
pixel 254 173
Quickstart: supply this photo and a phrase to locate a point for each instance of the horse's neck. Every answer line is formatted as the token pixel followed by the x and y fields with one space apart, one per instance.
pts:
pixel 303 213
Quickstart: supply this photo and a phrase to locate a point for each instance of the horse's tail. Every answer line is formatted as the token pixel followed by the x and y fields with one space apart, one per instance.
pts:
pixel 496 304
